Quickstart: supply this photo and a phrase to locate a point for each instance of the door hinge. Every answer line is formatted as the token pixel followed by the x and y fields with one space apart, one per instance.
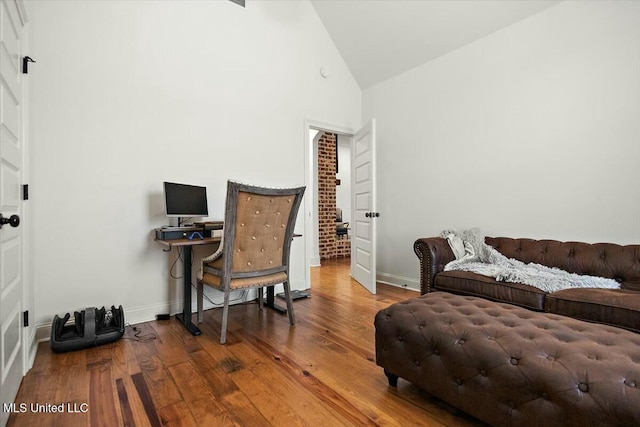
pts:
pixel 25 318
pixel 25 64
pixel 25 192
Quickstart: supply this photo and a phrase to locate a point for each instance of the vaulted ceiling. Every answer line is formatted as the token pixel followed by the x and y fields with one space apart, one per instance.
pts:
pixel 379 39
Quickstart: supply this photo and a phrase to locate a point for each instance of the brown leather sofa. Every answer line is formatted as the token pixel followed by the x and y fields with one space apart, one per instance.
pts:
pixel 616 307
pixel 512 355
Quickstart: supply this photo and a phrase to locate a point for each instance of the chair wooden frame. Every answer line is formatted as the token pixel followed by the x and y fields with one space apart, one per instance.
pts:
pixel 224 272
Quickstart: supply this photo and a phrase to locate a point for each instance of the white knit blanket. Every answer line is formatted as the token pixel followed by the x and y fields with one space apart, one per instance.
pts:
pixel 484 259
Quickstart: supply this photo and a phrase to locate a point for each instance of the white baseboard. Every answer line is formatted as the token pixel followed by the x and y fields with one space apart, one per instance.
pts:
pixel 43 332
pixel 399 281
pixel 135 315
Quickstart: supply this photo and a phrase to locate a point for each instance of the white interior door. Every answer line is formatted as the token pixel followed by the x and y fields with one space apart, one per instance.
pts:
pixel 363 205
pixel 11 171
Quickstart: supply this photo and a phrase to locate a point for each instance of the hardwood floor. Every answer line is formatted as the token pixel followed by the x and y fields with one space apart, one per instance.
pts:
pixel 321 372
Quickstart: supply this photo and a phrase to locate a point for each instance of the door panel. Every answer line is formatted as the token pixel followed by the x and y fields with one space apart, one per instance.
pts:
pixel 363 171
pixel 11 178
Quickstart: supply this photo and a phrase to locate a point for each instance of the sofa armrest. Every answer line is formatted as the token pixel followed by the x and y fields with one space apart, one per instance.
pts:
pixel 434 253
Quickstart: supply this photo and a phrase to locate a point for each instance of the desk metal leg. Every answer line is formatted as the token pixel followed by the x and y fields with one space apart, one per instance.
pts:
pixel 271 301
pixel 185 316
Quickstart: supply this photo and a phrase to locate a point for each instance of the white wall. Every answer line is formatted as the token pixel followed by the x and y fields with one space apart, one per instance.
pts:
pixel 533 131
pixel 127 95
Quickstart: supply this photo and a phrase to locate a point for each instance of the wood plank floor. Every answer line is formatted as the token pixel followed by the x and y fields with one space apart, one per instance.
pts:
pixel 321 372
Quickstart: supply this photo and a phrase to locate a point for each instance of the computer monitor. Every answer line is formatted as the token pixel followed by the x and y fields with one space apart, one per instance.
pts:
pixel 183 200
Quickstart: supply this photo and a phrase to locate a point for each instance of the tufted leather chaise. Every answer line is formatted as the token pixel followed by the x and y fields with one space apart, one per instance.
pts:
pixel 511 366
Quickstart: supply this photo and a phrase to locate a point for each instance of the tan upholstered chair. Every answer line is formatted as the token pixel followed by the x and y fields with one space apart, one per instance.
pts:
pixel 254 252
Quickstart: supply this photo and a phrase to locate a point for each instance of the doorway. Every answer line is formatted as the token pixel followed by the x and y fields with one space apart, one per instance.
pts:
pixel 326 143
pixel 363 200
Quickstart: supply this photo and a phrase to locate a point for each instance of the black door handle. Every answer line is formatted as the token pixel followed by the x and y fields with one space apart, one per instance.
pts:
pixel 13 220
pixel 372 214
pixel 368 215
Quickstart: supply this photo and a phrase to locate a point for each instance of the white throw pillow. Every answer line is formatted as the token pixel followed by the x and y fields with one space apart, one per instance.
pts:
pixel 457 245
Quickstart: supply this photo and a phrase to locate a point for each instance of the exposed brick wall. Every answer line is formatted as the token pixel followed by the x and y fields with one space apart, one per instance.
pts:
pixel 343 246
pixel 327 195
pixel 330 246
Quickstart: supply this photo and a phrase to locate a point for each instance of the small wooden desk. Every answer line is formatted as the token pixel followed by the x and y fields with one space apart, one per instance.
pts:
pixel 186 244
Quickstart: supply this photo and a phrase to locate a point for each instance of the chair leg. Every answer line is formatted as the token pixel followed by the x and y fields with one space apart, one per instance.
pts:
pixel 225 315
pixel 199 298
pixel 287 295
pixel 260 298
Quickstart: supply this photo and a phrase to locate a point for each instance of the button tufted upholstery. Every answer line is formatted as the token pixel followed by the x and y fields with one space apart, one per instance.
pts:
pixel 510 366
pixel 258 241
pixel 255 248
pixel 618 262
pixel 618 307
